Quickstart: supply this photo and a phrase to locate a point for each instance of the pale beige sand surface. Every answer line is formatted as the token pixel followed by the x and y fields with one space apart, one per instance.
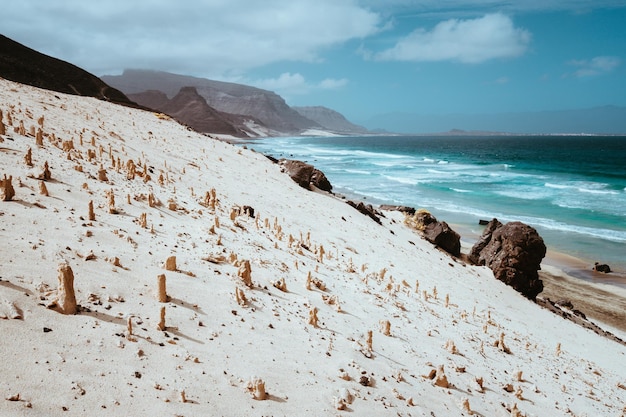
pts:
pixel 443 316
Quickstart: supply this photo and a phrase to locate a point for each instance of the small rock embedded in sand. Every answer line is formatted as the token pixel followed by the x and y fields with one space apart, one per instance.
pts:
pixel 170 263
pixel 14 397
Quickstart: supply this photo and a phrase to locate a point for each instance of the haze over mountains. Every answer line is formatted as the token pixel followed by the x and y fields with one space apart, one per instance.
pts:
pixel 204 105
pixel 261 112
pixel 244 111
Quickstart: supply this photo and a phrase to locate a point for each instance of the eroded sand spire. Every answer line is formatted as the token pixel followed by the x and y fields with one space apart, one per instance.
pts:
pixel 7 192
pixel 161 290
pixel 65 293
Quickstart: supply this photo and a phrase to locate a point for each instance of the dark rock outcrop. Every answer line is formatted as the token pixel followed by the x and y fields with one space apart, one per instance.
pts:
pixel 402 209
pixel 366 209
pixel 513 252
pixel 604 268
pixel 484 239
pixel 305 174
pixel 318 178
pixel 442 235
pixel 436 232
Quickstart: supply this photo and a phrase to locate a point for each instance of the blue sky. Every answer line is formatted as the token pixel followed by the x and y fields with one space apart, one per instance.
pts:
pixel 361 57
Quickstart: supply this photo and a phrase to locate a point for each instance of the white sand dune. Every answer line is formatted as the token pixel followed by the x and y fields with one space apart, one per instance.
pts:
pixel 88 364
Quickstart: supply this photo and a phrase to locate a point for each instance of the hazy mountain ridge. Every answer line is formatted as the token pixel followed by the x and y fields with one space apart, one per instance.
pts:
pixel 191 108
pixel 330 119
pixel 268 107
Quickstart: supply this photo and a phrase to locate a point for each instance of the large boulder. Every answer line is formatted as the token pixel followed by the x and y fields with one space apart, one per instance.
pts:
pixel 485 238
pixel 436 232
pixel 513 252
pixel 442 235
pixel 305 174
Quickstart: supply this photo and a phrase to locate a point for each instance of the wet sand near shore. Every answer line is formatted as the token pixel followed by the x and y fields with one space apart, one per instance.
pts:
pixel 601 297
pixel 604 304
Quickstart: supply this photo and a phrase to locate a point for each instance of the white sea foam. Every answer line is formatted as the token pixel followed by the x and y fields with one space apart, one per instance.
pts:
pixel 568 207
pixel 356 171
pixel 597 191
pixel 402 180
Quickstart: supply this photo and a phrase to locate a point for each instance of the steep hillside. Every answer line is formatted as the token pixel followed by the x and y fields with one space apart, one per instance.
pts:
pixel 269 108
pixel 27 66
pixel 330 120
pixel 192 109
pixel 187 302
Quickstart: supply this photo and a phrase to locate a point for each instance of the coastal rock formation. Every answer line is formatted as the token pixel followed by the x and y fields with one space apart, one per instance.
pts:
pixel 604 268
pixel 513 252
pixel 305 174
pixel 436 232
pixel 402 209
pixel 484 239
pixel 366 209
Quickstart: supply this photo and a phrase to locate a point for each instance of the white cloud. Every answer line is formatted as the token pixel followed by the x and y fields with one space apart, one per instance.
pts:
pixel 288 84
pixel 595 66
pixel 468 41
pixel 442 8
pixel 333 83
pixel 201 37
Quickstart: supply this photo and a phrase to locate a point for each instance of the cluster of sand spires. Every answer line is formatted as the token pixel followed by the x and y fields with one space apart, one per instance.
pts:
pixel 312 309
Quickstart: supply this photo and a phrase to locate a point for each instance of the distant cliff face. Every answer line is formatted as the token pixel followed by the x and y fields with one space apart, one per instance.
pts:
pixel 269 108
pixel 190 108
pixel 330 119
pixel 25 65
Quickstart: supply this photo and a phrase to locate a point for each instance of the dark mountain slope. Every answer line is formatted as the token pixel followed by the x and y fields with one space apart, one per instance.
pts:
pixel 25 65
pixel 191 109
pixel 266 106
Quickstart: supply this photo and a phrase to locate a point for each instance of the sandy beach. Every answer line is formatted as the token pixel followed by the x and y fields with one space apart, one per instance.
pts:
pixel 187 302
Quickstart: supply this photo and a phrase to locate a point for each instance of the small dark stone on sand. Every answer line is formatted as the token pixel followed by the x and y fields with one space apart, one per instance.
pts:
pixel 47 330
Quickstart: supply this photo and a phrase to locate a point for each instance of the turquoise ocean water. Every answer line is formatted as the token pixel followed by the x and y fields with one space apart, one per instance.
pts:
pixel 572 189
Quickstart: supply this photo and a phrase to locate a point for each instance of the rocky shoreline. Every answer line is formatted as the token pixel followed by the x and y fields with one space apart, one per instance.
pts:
pixel 555 290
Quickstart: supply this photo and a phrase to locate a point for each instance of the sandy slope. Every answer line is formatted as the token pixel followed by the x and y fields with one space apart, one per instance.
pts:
pixel 213 346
